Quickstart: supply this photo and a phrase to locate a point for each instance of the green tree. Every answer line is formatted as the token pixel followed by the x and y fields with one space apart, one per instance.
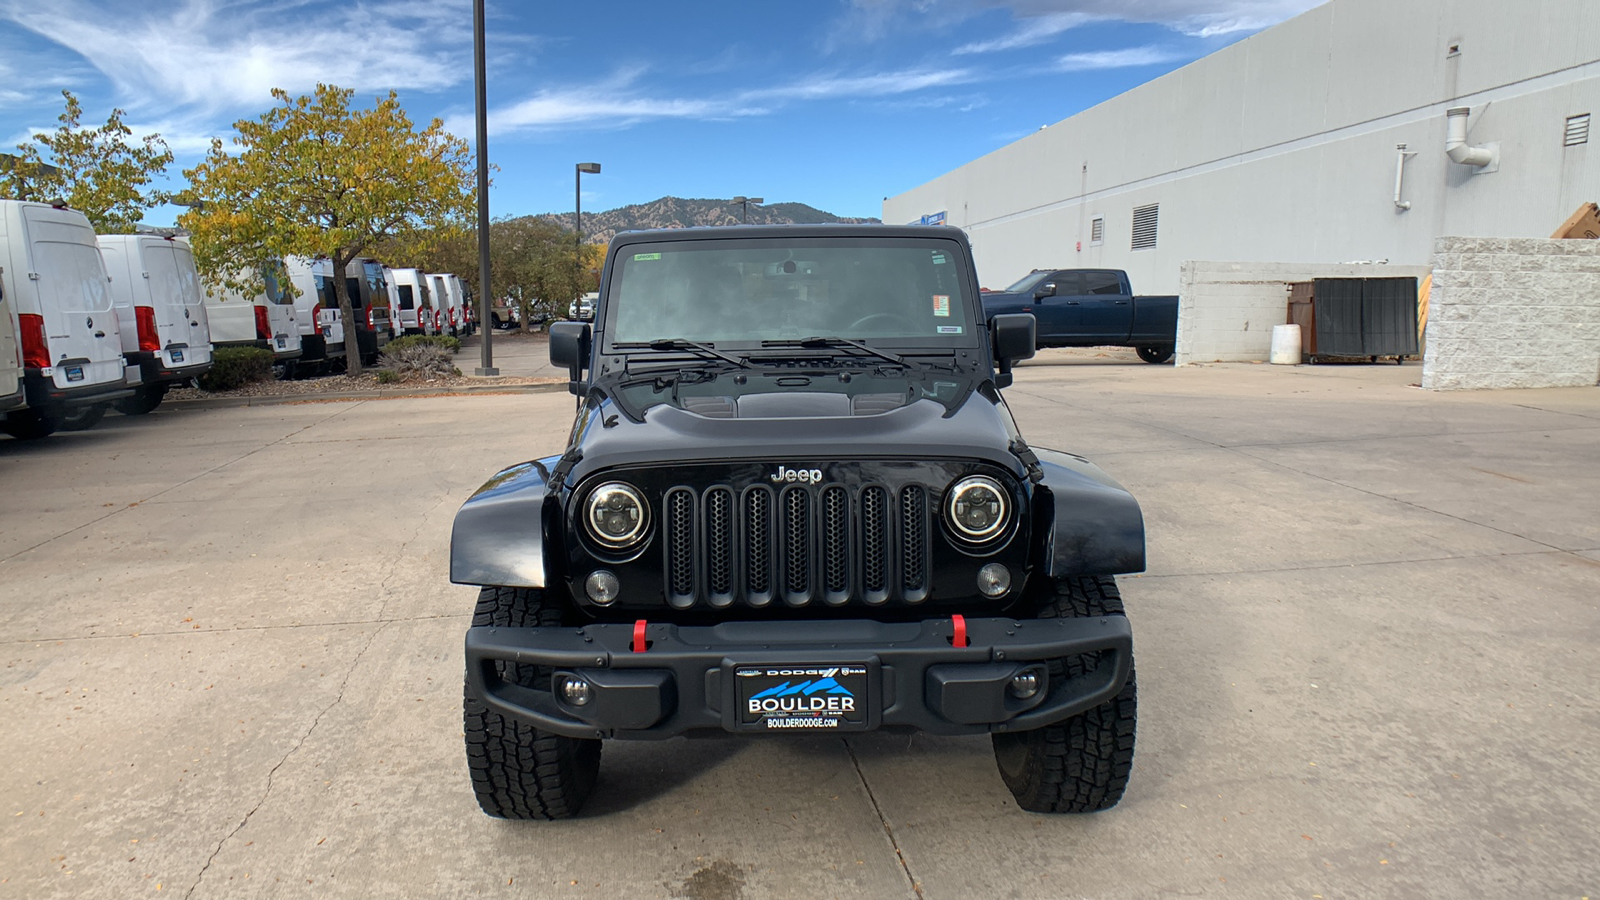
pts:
pixel 95 170
pixel 314 177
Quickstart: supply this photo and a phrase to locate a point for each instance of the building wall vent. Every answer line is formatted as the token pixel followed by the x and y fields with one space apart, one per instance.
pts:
pixel 1144 226
pixel 1577 131
pixel 1097 231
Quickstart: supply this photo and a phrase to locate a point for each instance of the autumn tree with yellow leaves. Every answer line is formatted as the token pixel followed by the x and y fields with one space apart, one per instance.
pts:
pixel 313 177
pixel 97 171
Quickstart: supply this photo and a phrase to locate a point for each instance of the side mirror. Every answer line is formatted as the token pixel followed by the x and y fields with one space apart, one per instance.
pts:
pixel 1045 290
pixel 569 349
pixel 1015 337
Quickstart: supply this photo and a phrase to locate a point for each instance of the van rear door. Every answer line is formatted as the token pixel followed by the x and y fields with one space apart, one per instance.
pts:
pixel 195 329
pixel 80 325
pixel 167 302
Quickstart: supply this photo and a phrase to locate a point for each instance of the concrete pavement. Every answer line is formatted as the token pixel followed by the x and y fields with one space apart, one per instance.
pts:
pixel 1367 650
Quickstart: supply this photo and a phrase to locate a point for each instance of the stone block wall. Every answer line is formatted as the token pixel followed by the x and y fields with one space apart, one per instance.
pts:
pixel 1513 313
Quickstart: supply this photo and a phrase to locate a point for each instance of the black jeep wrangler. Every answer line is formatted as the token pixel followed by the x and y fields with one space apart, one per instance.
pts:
pixel 794 500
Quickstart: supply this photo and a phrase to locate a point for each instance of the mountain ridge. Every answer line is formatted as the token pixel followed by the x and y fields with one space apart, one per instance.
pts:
pixel 691 212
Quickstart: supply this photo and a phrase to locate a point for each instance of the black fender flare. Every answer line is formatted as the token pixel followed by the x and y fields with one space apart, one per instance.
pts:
pixel 501 534
pixel 1087 522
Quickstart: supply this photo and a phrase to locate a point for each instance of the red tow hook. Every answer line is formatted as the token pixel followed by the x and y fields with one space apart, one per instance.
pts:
pixel 639 643
pixel 959 637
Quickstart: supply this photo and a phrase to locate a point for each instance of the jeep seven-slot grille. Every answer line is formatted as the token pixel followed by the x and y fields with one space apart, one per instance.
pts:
pixel 799 544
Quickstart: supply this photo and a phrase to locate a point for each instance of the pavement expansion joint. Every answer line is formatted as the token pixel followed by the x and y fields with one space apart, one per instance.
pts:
pixel 888 830
pixel 1312 567
pixel 272 773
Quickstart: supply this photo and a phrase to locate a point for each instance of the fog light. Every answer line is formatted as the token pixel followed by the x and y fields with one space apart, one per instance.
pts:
pixel 1024 684
pixel 577 692
pixel 602 587
pixel 994 580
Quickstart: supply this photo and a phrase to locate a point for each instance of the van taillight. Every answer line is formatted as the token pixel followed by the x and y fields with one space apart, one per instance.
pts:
pixel 316 319
pixel 35 350
pixel 263 327
pixel 145 318
pixel 369 317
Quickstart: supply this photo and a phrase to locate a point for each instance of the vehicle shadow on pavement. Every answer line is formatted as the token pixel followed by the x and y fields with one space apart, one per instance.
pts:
pixel 634 773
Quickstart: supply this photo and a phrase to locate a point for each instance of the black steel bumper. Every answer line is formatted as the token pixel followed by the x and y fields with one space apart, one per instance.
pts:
pixel 682 680
pixel 43 394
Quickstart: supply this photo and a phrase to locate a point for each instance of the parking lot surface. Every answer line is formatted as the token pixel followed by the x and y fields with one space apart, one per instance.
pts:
pixel 1368 654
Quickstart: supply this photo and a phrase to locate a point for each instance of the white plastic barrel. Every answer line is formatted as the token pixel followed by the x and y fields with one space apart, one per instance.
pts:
pixel 1285 345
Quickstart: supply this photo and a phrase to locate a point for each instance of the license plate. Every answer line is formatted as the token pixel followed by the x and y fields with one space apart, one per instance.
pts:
pixel 801 698
pixel 74 373
pixel 177 356
pixel 282 342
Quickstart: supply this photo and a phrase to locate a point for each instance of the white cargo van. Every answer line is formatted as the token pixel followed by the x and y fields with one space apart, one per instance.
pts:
pixel 321 336
pixel 266 320
pixel 413 307
pixel 161 312
pixel 443 307
pixel 63 330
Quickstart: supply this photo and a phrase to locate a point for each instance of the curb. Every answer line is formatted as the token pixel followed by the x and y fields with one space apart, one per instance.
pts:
pixel 390 394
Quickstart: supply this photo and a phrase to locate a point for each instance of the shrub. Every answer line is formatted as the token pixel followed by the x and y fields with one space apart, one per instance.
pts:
pixel 234 367
pixel 417 360
pixel 443 341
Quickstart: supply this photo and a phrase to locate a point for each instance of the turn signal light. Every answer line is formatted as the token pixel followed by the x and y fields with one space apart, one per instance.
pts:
pixel 144 318
pixel 35 350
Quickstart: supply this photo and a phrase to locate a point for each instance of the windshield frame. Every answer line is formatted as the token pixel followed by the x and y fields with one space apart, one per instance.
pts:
pixel 970 316
pixel 1029 281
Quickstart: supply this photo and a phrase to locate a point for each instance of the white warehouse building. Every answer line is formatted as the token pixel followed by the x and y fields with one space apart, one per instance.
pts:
pixel 1320 140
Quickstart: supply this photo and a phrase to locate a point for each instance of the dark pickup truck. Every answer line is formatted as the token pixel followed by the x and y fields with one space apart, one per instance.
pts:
pixel 1091 308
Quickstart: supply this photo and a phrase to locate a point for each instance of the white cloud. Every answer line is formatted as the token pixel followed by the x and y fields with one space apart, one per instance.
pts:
pixel 1032 32
pixel 1040 20
pixel 1126 58
pixel 619 101
pixel 216 55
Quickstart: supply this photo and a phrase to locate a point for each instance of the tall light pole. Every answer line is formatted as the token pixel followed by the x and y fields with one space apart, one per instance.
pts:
pixel 481 77
pixel 578 212
pixel 744 216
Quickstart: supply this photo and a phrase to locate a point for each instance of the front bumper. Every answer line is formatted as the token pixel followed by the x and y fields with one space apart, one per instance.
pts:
pixel 683 680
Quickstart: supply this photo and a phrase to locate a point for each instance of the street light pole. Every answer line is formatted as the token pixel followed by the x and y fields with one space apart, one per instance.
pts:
pixel 578 171
pixel 744 202
pixel 481 77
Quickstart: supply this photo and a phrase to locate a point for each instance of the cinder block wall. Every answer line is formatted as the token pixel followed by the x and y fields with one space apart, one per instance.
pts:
pixel 1513 313
pixel 1226 310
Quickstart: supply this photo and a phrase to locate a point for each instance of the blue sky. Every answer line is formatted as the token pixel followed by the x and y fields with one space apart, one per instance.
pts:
pixel 835 103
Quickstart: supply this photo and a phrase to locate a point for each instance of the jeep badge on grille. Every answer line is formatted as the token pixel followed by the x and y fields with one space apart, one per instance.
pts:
pixel 808 476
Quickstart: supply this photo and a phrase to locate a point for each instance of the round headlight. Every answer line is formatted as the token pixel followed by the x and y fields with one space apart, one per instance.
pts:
pixel 617 515
pixel 977 508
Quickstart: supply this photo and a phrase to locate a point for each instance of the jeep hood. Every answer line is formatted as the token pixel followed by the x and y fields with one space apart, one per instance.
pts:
pixel 795 426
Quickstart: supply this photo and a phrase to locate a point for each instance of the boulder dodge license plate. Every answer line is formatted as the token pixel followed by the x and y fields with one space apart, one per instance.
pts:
pixel 780 697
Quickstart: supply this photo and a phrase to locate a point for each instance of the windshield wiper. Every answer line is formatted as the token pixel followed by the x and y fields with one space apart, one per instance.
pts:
pixel 837 342
pixel 684 344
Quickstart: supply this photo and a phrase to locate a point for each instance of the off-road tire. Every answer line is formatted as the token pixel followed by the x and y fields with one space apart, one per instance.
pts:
pixel 1154 355
pixel 518 771
pixel 84 417
pixel 1080 765
pixel 144 400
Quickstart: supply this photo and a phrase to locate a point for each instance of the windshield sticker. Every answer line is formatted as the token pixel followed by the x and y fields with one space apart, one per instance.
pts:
pixel 949 329
pixel 938 259
pixel 642 257
pixel 941 305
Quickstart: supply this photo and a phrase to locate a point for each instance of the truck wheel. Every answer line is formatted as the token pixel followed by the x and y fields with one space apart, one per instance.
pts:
pixel 1082 764
pixel 518 771
pixel 144 400
pixel 84 417
pixel 1155 355
pixel 30 425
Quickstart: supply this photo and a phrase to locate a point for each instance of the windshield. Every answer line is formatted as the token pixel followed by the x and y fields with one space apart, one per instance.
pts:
pixel 902 291
pixel 1028 283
